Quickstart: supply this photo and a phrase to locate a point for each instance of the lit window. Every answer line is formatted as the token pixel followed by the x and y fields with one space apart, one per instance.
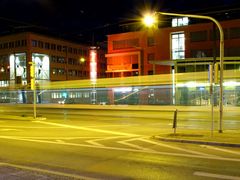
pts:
pixel 178 46
pixel 184 21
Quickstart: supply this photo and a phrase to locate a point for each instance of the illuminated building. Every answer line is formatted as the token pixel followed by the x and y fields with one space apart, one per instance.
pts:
pixel 55 60
pixel 186 48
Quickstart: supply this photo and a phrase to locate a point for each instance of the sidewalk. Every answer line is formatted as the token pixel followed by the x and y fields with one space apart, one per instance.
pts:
pixel 229 138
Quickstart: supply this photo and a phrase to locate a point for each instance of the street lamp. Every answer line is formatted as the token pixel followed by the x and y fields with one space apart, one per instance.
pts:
pixel 221 55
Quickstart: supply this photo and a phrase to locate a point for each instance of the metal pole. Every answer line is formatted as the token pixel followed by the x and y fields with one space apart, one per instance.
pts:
pixel 221 56
pixel 33 87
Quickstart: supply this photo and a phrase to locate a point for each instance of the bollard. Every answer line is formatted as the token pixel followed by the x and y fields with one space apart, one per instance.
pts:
pixel 175 121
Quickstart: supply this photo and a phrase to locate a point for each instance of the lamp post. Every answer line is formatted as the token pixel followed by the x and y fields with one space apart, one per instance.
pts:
pixel 148 22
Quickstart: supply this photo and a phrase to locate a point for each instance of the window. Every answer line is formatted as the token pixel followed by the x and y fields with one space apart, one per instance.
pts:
pixel 198 36
pixel 11 44
pixel 234 32
pixel 59 47
pixel 53 46
pixel 150 72
pixel 150 41
pixel 134 66
pixel 124 44
pixel 151 56
pixel 178 45
pixel 64 48
pixel 46 45
pixel 184 21
pixel 24 42
pixel 34 43
pixel 40 44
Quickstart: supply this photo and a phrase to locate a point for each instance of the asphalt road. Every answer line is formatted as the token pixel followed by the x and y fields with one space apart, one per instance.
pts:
pixel 97 144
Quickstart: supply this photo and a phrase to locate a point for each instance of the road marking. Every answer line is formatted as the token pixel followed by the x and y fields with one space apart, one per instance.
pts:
pixel 221 149
pixel 59 140
pixel 114 125
pixel 54 138
pixel 87 129
pixel 10 130
pixel 126 142
pixel 123 149
pixel 219 176
pixel 46 171
pixel 175 148
pixel 94 141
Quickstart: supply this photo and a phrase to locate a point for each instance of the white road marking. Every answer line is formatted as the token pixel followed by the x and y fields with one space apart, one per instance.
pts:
pixel 126 142
pixel 46 171
pixel 114 125
pixel 175 148
pixel 87 129
pixel 221 149
pixel 59 140
pixel 94 141
pixel 218 176
pixel 58 137
pixel 123 149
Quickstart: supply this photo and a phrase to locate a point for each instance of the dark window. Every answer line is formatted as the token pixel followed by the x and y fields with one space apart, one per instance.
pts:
pixel 17 43
pixel 151 56
pixel 198 36
pixel 34 43
pixel 150 41
pixel 59 47
pixel 53 46
pixel 216 36
pixel 40 44
pixel 74 50
pixel 70 49
pixel 5 45
pixel 233 51
pixel 150 72
pixel 234 33
pixel 24 43
pixel 123 44
pixel 64 48
pixel 11 44
pixel 47 46
pixel 134 66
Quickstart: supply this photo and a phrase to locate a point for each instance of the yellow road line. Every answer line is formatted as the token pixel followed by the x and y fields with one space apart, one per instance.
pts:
pixel 46 171
pixel 87 129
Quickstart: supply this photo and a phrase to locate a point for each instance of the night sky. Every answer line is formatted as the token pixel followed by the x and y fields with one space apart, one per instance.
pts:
pixel 91 20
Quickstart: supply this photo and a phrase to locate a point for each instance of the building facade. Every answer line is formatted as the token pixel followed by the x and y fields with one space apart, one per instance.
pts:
pixel 189 52
pixel 55 60
pixel 153 50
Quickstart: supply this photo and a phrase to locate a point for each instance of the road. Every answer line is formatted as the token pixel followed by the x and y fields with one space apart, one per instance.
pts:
pixel 94 144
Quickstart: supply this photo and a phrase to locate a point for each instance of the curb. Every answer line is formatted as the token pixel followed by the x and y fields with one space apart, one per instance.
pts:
pixel 197 142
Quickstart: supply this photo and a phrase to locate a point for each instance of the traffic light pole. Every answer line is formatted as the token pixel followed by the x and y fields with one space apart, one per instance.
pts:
pixel 33 88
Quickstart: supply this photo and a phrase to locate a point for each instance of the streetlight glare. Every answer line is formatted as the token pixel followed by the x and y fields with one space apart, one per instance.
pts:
pixel 149 20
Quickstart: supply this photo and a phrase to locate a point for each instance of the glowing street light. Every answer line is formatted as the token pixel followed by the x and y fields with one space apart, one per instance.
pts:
pixel 150 20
